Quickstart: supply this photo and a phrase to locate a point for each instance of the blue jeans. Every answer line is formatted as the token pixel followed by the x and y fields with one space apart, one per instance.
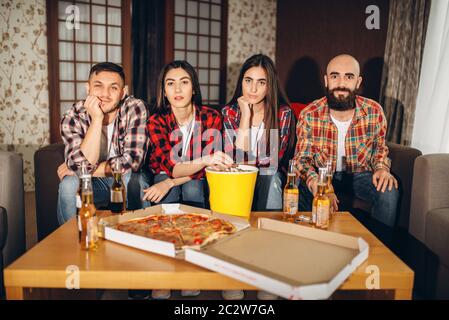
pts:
pixel 268 192
pixel 360 185
pixel 190 193
pixel 68 188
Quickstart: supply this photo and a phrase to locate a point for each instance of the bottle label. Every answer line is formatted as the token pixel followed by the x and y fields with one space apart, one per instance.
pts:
pixel 116 196
pixel 290 203
pixel 322 215
pixel 78 201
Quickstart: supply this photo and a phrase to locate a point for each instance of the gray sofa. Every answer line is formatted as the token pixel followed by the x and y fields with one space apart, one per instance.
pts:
pixel 429 219
pixel 11 198
pixel 46 162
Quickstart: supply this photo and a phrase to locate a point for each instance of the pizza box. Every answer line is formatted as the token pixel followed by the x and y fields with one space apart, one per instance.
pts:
pixel 157 246
pixel 290 260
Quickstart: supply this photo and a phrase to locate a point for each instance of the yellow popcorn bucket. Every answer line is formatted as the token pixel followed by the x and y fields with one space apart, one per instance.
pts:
pixel 232 192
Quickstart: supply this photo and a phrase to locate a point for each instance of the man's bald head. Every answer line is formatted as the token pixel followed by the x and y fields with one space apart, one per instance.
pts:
pixel 342 81
pixel 345 61
pixel 343 71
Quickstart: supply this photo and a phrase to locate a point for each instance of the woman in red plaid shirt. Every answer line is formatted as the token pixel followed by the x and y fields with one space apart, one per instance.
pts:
pixel 185 137
pixel 259 129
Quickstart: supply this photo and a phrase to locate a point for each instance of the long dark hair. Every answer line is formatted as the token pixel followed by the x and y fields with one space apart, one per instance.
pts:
pixel 274 99
pixel 162 103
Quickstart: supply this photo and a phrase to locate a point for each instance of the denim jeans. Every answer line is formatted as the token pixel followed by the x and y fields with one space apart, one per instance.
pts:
pixel 68 188
pixel 360 185
pixel 268 192
pixel 190 193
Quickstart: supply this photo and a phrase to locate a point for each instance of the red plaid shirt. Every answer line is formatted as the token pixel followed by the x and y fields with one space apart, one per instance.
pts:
pixel 166 140
pixel 364 144
pixel 231 121
pixel 129 140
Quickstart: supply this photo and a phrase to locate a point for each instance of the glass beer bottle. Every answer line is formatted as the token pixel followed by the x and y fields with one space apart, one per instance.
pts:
pixel 87 218
pixel 329 191
pixel 291 194
pixel 321 203
pixel 118 192
pixel 78 202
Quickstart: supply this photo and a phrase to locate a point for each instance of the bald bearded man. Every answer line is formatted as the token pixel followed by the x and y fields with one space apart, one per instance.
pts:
pixel 349 130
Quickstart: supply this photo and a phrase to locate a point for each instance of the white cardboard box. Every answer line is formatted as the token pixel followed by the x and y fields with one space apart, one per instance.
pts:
pixel 157 246
pixel 292 261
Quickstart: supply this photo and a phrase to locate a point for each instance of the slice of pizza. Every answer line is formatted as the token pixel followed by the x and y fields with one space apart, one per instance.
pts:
pixel 202 233
pixel 188 219
pixel 223 226
pixel 173 236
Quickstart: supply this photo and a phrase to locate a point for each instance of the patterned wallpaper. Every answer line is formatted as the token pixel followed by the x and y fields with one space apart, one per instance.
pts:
pixel 251 30
pixel 24 115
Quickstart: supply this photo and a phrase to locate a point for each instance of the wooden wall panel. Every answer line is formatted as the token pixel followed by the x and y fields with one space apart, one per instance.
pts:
pixel 310 33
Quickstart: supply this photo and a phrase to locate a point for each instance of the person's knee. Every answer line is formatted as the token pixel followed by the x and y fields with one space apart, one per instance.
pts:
pixel 193 191
pixel 69 186
pixel 388 197
pixel 386 207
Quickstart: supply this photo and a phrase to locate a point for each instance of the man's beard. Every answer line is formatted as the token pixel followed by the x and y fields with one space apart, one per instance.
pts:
pixel 341 103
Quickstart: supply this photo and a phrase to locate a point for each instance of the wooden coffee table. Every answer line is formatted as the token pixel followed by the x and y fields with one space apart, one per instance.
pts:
pixel 114 266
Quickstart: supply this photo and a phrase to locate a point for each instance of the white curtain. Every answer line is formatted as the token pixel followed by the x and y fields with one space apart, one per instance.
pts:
pixel 431 128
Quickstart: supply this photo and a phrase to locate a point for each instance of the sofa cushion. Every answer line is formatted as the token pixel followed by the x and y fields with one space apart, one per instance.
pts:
pixel 437 233
pixel 3 228
pixel 46 163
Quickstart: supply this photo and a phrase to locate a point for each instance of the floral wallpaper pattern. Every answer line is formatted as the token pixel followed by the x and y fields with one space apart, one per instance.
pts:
pixel 251 30
pixel 24 108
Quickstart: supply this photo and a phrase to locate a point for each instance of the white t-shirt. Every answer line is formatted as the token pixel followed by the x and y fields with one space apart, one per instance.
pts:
pixel 255 136
pixel 106 149
pixel 342 127
pixel 187 132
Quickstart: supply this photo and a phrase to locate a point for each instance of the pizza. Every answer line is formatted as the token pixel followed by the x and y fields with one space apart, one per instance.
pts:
pixel 187 230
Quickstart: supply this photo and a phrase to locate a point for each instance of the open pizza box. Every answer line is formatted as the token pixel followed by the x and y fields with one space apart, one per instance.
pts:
pixel 107 227
pixel 290 260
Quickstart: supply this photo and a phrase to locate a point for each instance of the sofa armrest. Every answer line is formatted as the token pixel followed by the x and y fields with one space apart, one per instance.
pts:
pixel 402 163
pixel 12 199
pixel 430 190
pixel 3 228
pixel 3 236
pixel 46 162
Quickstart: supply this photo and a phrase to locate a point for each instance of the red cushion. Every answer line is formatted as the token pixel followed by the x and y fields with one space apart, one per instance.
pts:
pixel 297 108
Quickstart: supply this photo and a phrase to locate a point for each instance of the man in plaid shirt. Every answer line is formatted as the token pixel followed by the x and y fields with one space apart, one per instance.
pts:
pixel 349 130
pixel 105 131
